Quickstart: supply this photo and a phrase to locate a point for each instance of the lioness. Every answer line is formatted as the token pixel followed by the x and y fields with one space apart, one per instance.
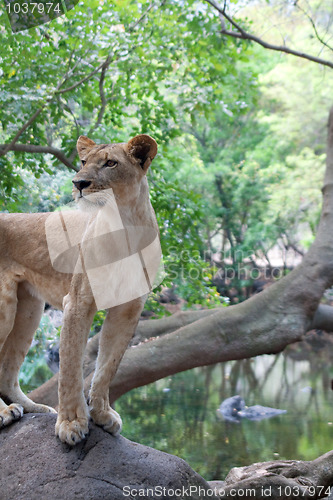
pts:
pixel 31 275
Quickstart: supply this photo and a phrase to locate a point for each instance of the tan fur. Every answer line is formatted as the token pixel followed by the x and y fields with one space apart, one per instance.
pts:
pixel 28 279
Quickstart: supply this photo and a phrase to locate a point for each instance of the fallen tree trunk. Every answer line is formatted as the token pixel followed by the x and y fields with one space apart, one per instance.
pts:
pixel 147 330
pixel 265 323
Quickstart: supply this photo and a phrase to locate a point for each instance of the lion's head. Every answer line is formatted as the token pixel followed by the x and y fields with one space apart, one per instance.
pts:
pixel 121 167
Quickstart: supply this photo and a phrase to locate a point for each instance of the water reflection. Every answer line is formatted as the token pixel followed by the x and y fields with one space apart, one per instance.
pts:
pixel 178 414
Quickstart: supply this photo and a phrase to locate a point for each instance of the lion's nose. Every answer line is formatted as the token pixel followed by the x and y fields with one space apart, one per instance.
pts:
pixel 80 185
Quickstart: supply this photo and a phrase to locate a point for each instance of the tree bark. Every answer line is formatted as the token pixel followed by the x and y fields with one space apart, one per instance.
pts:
pixel 263 324
pixel 279 479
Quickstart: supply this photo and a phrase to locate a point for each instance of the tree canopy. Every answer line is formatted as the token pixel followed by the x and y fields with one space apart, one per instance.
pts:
pixel 226 114
pixel 241 129
pixel 231 119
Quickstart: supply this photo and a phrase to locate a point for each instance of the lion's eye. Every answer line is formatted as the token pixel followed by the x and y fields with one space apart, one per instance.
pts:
pixel 83 162
pixel 111 164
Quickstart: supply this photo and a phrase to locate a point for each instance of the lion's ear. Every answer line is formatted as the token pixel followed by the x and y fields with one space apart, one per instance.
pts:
pixel 144 148
pixel 84 145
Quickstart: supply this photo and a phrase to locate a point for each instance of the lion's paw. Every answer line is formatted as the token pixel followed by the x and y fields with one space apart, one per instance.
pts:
pixel 10 414
pixel 109 419
pixel 72 432
pixel 37 408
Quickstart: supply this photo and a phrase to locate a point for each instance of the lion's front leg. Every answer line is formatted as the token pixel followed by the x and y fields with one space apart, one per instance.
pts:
pixel 118 329
pixel 73 416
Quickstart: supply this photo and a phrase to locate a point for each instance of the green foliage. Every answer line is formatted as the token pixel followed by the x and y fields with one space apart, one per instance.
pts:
pixel 145 62
pixel 154 306
pixel 97 322
pixel 241 134
pixel 239 138
pixel 50 191
pixel 295 203
pixel 34 370
pixel 154 82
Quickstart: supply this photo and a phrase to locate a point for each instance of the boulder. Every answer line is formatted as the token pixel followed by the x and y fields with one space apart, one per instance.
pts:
pixel 35 465
pixel 233 410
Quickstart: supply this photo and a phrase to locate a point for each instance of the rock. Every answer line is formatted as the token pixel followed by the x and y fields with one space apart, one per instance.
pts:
pixel 233 409
pixel 281 480
pixel 258 412
pixel 52 356
pixel 35 465
pixel 230 408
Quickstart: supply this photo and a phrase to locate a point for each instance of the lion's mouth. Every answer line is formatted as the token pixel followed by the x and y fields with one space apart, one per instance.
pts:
pixel 96 198
pixel 78 194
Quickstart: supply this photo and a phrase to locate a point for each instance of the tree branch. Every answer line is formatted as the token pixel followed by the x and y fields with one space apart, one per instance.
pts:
pixel 84 79
pixel 148 329
pixel 67 108
pixel 31 148
pixel 314 27
pixel 9 147
pixel 5 148
pixel 102 96
pixel 243 35
pixel 136 23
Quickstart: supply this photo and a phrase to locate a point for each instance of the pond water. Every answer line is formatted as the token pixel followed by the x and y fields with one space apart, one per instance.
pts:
pixel 178 414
